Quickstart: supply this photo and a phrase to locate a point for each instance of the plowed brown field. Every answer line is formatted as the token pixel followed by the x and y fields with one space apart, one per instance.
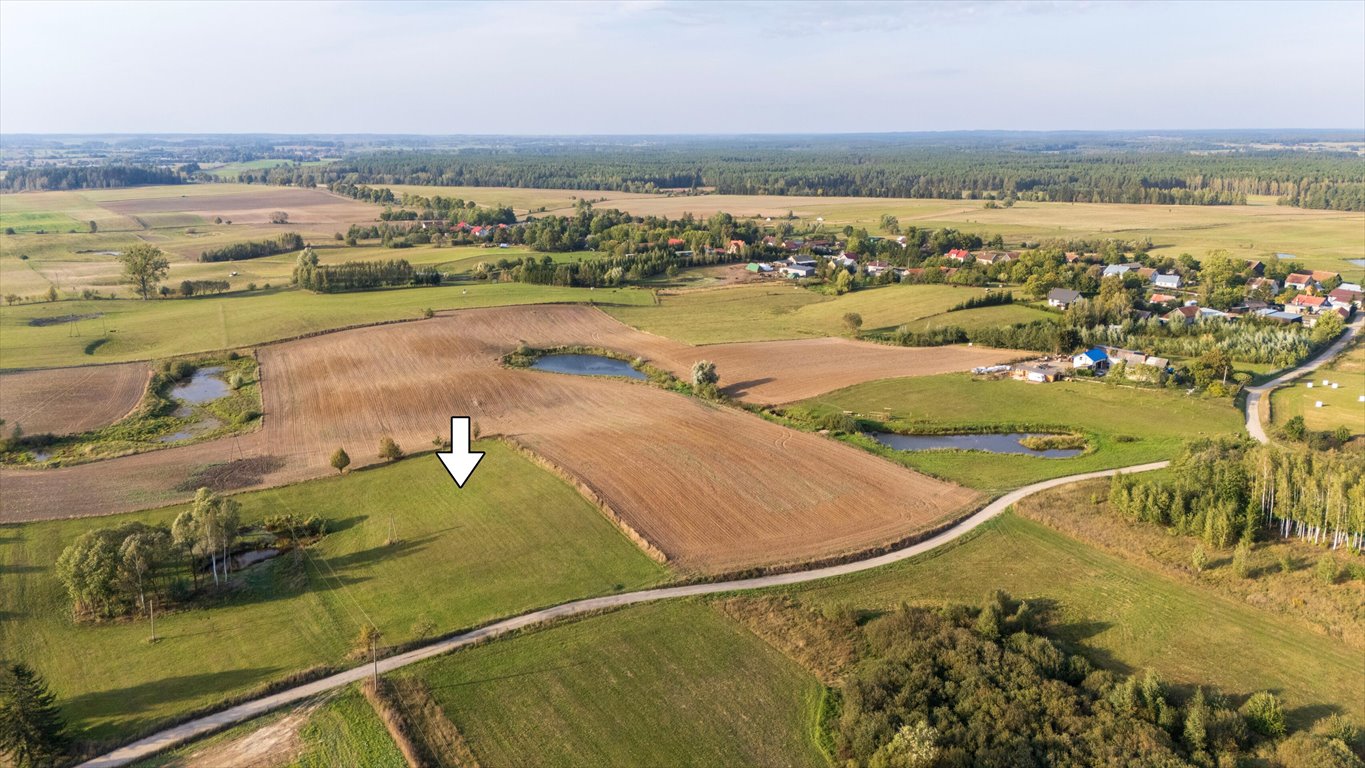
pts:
pixel 71 399
pixel 713 488
pixel 304 206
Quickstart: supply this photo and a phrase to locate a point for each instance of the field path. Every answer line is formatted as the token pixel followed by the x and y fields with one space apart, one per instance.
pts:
pixel 1256 419
pixel 170 737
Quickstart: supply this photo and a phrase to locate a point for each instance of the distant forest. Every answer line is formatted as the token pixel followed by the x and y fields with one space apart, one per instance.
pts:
pixel 1311 169
pixel 1314 180
pixel 48 177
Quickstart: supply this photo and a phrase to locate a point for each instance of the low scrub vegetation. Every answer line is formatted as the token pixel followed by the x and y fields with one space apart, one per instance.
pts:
pixel 289 241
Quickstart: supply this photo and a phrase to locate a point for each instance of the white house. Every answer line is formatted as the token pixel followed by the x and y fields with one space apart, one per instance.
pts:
pixel 1062 297
pixel 1091 358
pixel 1169 282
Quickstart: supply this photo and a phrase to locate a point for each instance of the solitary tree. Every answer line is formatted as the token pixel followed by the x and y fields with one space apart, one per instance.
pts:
pixel 94 227
pixel 389 450
pixel 52 293
pixel 1264 714
pixel 279 217
pixel 143 267
pixel 853 321
pixel 32 731
pixel 340 461
pixel 704 373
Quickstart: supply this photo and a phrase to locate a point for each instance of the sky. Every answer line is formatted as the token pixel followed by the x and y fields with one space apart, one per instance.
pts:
pixel 667 66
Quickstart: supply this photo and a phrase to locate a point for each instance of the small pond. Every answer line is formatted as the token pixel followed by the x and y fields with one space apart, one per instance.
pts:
pixel 587 365
pixel 1357 262
pixel 193 430
pixel 996 443
pixel 204 386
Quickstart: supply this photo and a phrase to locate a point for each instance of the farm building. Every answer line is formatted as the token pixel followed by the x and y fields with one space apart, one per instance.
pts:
pixel 801 261
pixel 758 268
pixel 1095 359
pixel 1062 297
pixel 1119 270
pixel 1037 371
pixel 1277 316
pixel 1191 312
pixel 798 270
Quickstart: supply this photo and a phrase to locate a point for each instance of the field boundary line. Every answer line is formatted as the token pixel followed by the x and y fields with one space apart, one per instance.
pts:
pixel 202 726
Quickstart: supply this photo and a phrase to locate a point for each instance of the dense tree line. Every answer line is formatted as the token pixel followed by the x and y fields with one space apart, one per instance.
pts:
pixel 968 688
pixel 200 287
pixel 49 177
pixel 360 275
pixel 872 169
pixel 1227 491
pixel 289 241
pixel 1040 336
pixel 414 207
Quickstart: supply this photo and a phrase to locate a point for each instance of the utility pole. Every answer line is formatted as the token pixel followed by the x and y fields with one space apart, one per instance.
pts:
pixel 154 619
pixel 374 658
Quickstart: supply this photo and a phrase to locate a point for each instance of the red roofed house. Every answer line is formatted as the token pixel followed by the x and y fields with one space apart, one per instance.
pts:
pixel 1298 280
pixel 1322 275
pixel 735 246
pixel 1305 304
pixel 676 241
pixel 1161 298
pixel 1344 296
pixel 958 255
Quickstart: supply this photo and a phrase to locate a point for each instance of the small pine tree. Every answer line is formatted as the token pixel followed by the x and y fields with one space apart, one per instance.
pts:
pixel 1327 570
pixel 1264 714
pixel 1199 559
pixel 340 460
pixel 1241 559
pixel 32 731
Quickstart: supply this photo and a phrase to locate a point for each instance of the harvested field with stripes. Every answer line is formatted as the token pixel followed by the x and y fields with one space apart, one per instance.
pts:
pixel 710 487
pixel 69 400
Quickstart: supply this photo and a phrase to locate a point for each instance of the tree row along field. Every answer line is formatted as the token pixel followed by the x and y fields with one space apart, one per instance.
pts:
pixel 725 490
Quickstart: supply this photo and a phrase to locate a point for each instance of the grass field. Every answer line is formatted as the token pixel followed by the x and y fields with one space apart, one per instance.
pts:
pixel 777 310
pixel 137 330
pixel 342 730
pixel 347 731
pixel 1125 616
pixel 515 539
pixel 1340 407
pixel 666 684
pixel 1160 420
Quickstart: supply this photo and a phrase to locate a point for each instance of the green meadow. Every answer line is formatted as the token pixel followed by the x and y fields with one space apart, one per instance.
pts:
pixel 517 540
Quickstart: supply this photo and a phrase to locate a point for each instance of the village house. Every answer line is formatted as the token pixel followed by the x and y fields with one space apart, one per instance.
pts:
pixel 1191 312
pixel 1161 298
pixel 1345 297
pixel 1298 281
pixel 1167 282
pixel 1093 359
pixel 1146 273
pixel 1255 267
pixel 877 267
pixel 1263 283
pixel 735 247
pixel 1062 297
pixel 957 254
pixel 846 260
pixel 1304 304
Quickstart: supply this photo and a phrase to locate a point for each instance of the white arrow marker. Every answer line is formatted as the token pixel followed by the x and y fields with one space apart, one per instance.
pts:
pixel 460 461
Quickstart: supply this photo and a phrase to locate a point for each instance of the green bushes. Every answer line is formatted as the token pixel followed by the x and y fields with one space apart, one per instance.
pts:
pixel 989 299
pixel 289 241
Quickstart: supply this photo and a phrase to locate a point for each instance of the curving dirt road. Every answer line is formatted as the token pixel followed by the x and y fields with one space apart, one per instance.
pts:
pixel 1255 418
pixel 242 712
